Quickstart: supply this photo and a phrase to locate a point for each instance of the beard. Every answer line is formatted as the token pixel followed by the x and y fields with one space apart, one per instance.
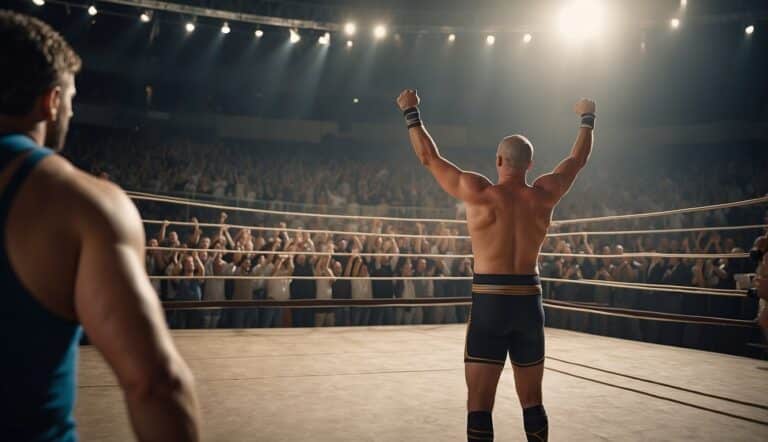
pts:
pixel 56 133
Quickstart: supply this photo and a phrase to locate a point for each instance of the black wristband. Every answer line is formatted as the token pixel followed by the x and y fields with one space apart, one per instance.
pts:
pixel 412 117
pixel 588 120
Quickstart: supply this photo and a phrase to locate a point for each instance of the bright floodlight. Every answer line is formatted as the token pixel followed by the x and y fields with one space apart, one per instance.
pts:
pixel 144 17
pixel 490 40
pixel 355 100
pixel 674 23
pixel 749 30
pixel 325 39
pixel 295 37
pixel 38 2
pixel 350 43
pixel 190 27
pixel 683 3
pixel 350 28
pixel 527 38
pixel 92 10
pixel 452 38
pixel 581 20
pixel 258 33
pixel 225 29
pixel 379 32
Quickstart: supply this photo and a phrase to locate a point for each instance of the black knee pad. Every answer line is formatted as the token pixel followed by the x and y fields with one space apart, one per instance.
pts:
pixel 479 426
pixel 536 423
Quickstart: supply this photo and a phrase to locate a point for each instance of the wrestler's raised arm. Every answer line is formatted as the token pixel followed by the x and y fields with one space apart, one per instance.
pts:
pixel 559 181
pixel 463 185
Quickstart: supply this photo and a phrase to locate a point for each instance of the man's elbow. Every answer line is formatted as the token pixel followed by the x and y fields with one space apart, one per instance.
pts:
pixel 159 383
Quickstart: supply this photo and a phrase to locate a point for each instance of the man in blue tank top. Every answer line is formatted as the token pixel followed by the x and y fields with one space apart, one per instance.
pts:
pixel 94 276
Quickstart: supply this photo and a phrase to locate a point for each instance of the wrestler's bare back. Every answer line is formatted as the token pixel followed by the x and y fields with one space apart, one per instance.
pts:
pixel 508 228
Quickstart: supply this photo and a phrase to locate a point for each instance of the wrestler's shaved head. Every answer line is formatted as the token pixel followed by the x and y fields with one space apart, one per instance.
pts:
pixel 515 153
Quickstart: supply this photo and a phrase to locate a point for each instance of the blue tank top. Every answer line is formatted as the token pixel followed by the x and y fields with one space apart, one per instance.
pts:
pixel 38 348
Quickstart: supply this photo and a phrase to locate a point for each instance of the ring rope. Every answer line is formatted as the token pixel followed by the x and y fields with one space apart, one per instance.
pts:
pixel 315 231
pixel 453 301
pixel 742 203
pixel 665 398
pixel 655 231
pixel 652 287
pixel 448 255
pixel 662 384
pixel 595 282
pixel 648 314
pixel 198 203
pixel 465 237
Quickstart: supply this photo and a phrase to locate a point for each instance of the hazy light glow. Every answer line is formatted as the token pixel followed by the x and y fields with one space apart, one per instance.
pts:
pixel 225 29
pixel 490 40
pixel 350 28
pixel 144 17
pixel 581 20
pixel 325 39
pixel 38 2
pixel 674 23
pixel 355 100
pixel 749 30
pixel 295 37
pixel 452 38
pixel 527 38
pixel 258 33
pixel 190 27
pixel 92 10
pixel 683 3
pixel 350 43
pixel 379 32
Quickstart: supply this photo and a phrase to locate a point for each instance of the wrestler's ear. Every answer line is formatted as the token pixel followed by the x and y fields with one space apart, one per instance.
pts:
pixel 498 160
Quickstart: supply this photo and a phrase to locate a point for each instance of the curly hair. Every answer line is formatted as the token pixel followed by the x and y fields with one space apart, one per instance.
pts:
pixel 34 58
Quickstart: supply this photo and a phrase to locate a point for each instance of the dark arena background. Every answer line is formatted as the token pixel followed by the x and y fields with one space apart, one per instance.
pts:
pixel 318 281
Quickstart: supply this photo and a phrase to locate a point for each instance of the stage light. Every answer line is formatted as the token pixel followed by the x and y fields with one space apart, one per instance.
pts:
pixel 350 28
pixel 379 32
pixel 38 2
pixel 683 3
pixel 452 38
pixel 258 33
pixel 749 30
pixel 490 40
pixel 355 100
pixel 295 37
pixel 674 23
pixel 325 39
pixel 225 29
pixel 92 10
pixel 527 38
pixel 581 20
pixel 190 27
pixel 145 17
pixel 350 43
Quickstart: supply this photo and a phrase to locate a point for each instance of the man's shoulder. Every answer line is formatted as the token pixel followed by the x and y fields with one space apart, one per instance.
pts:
pixel 71 192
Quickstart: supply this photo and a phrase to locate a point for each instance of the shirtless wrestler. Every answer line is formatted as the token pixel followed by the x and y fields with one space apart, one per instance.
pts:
pixel 507 223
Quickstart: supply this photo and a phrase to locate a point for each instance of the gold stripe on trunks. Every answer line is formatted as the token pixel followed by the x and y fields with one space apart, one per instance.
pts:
pixel 501 289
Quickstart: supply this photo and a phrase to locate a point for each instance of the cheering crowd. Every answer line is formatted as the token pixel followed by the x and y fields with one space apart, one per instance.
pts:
pixel 373 182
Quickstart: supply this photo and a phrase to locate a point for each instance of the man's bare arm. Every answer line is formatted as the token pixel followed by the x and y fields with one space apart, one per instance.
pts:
pixel 463 185
pixel 122 316
pixel 559 182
